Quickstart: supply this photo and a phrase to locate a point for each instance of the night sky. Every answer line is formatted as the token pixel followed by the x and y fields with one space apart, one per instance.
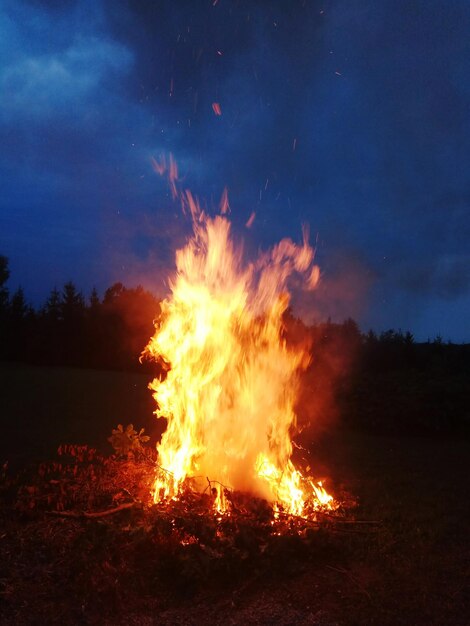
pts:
pixel 351 116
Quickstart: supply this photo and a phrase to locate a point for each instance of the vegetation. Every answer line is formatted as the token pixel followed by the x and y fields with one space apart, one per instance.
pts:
pixel 378 383
pixel 363 396
pixel 69 330
pixel 178 566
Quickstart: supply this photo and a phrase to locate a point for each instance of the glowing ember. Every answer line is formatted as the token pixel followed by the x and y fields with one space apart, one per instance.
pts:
pixel 216 108
pixel 231 380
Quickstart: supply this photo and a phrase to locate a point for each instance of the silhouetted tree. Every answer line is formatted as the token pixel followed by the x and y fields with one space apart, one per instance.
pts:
pixel 94 300
pixel 4 276
pixel 127 326
pixel 389 336
pixel 351 335
pixel 370 338
pixel 52 309
pixel 50 338
pixel 19 309
pixel 409 339
pixel 72 328
pixel 4 332
pixel 21 327
pixel 72 305
pixel 387 382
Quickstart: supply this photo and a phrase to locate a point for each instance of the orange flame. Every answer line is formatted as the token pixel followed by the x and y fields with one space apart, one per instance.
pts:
pixel 232 380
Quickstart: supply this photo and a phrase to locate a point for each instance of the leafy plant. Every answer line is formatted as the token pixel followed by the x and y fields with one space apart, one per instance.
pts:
pixel 125 440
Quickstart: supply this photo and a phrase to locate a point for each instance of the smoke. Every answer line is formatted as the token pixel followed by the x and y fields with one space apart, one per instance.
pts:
pixel 324 321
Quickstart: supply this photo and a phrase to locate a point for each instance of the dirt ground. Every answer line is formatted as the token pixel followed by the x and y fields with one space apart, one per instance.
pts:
pixel 413 569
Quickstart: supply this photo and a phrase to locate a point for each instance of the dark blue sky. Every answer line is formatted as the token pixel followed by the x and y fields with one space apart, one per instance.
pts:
pixel 352 116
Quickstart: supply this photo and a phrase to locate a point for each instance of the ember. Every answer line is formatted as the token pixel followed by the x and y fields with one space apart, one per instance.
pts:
pixel 231 379
pixel 216 108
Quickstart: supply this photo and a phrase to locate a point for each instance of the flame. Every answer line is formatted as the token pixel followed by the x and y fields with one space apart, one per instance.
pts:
pixel 231 379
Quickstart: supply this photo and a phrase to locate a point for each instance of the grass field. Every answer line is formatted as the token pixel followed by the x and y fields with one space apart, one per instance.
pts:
pixel 414 570
pixel 42 407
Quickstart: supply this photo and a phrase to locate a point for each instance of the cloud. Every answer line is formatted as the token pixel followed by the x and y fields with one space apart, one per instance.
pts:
pixel 446 277
pixel 64 119
pixel 38 87
pixel 55 67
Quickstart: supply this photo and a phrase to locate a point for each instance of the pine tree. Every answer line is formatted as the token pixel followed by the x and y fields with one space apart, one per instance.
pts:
pixel 52 309
pixel 19 309
pixel 94 300
pixel 4 276
pixel 72 303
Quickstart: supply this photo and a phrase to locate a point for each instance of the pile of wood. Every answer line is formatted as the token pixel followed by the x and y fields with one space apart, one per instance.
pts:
pixel 81 483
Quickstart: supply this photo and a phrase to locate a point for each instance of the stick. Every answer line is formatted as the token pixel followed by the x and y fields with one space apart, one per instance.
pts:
pixel 92 514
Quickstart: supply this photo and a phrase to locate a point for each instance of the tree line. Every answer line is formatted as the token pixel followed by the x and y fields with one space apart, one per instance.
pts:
pixel 382 381
pixel 70 329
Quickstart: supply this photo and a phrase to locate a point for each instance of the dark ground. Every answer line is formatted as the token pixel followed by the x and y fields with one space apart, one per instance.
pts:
pixel 414 570
pixel 42 407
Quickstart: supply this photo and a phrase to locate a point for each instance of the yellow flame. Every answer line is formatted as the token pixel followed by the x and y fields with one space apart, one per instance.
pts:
pixel 232 381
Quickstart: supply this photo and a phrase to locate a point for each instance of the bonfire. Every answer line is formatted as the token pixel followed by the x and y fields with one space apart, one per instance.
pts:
pixel 230 380
pixel 222 496
pixel 227 387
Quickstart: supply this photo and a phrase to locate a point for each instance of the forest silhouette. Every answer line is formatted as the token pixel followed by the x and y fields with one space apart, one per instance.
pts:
pixel 384 382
